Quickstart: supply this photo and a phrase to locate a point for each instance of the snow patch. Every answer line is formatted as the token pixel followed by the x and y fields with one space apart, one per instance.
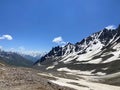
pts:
pixel 75 72
pixel 95 61
pixel 50 67
pixel 100 73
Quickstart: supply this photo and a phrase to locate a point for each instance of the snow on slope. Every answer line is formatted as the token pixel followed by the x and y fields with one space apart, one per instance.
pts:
pixel 115 57
pixel 90 51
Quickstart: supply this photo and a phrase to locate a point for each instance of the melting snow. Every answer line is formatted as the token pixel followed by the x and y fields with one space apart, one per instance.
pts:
pixel 50 67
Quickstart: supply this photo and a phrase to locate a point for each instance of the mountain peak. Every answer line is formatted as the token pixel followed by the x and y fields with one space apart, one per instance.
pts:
pixel 69 43
pixel 88 47
pixel 111 27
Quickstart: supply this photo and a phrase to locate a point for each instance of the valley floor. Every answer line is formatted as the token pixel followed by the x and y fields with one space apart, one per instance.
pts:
pixel 19 78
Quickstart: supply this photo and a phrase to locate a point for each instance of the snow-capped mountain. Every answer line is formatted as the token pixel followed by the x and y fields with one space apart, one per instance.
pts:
pixel 98 53
pixel 33 56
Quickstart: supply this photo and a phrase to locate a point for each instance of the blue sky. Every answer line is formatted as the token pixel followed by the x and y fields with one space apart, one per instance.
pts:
pixel 33 24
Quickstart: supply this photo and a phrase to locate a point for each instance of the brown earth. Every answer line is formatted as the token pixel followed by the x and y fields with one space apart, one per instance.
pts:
pixel 19 78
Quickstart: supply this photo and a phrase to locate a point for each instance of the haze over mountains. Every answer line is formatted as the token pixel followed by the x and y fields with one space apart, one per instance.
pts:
pixel 19 58
pixel 33 56
pixel 14 59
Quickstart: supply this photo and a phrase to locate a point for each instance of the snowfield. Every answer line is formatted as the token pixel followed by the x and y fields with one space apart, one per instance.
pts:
pixel 83 84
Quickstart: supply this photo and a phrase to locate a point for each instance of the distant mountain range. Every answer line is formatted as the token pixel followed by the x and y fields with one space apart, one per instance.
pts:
pixel 99 54
pixel 19 58
pixel 33 56
pixel 14 59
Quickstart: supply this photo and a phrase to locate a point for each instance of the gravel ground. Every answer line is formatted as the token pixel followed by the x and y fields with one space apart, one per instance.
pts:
pixel 19 78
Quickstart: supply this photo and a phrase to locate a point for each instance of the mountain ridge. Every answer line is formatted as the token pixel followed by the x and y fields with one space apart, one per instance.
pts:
pixel 95 52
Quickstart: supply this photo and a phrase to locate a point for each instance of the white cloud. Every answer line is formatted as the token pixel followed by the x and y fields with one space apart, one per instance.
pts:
pixel 59 40
pixel 8 37
pixel 111 27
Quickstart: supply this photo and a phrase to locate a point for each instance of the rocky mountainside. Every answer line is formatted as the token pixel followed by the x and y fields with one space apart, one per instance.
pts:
pixel 98 54
pixel 10 58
